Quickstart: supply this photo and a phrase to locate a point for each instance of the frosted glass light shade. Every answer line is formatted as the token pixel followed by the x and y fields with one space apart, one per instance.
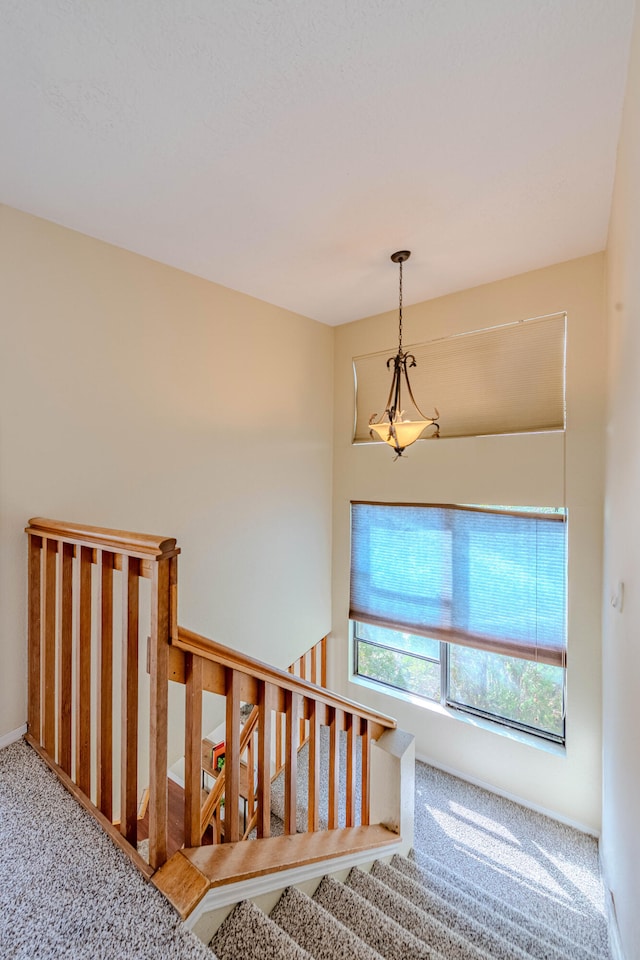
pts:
pixel 406 432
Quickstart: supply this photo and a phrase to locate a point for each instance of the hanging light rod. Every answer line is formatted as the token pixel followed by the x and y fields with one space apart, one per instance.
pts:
pixel 392 427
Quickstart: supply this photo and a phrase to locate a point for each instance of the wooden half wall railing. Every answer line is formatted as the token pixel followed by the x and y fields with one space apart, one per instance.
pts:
pixel 73 642
pixel 204 665
pixel 78 657
pixel 312 666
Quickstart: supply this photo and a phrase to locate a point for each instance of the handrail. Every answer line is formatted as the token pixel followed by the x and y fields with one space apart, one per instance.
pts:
pixel 194 643
pixel 140 545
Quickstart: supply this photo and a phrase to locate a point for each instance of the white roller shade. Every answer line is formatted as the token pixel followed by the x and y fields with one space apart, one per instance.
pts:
pixel 507 379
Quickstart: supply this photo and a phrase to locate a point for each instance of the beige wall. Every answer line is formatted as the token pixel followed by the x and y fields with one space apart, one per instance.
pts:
pixel 516 470
pixel 621 830
pixel 140 397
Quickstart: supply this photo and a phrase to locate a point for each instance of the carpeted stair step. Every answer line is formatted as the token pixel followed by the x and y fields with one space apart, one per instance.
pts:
pixel 317 930
pixel 249 934
pixel 449 884
pixel 457 920
pixel 381 932
pixel 413 919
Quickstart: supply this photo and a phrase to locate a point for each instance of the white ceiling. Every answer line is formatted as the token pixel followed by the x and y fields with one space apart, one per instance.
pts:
pixel 286 147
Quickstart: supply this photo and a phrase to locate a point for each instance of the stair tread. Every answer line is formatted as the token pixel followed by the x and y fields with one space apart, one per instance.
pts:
pixel 381 932
pixel 412 918
pixel 439 876
pixel 317 930
pixel 249 933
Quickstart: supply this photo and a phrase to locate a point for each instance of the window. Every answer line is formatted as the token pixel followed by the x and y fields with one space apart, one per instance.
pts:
pixel 505 379
pixel 465 606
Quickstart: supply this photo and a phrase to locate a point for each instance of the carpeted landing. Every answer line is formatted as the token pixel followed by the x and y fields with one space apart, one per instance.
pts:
pixel 488 879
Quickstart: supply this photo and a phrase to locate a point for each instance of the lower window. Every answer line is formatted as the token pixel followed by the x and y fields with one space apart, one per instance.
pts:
pixel 519 693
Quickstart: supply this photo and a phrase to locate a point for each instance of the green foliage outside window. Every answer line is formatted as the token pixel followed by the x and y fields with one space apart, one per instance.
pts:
pixel 403 671
pixel 519 690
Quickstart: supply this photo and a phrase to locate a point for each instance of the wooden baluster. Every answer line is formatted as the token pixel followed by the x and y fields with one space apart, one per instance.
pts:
pixel 160 636
pixel 193 752
pixel 173 598
pixel 65 657
pixel 279 761
pixel 313 804
pixel 303 676
pixel 291 762
pixel 351 771
pixel 265 703
pixel 251 781
pixel 314 664
pixel 83 675
pixel 365 741
pixel 334 767
pixel 323 662
pixel 49 648
pixel 129 701
pixel 35 640
pixel 232 759
pixel 104 738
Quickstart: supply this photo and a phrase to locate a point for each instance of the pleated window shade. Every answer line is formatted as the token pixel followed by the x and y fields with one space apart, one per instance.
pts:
pixel 493 580
pixel 507 379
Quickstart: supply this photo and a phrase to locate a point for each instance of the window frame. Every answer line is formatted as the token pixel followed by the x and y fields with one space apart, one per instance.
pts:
pixel 445 700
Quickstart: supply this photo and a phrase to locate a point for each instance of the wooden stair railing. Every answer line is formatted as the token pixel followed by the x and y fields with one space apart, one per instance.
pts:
pixel 204 665
pixel 77 651
pixel 71 638
pixel 316 658
pixel 316 672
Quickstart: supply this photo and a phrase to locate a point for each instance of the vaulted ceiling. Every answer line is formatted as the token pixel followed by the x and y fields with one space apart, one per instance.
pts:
pixel 285 148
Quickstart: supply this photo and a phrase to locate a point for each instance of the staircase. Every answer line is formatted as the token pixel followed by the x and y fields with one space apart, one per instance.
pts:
pixel 410 908
pixel 402 908
pixel 342 802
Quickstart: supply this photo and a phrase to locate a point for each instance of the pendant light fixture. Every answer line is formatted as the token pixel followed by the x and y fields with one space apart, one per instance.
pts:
pixel 392 427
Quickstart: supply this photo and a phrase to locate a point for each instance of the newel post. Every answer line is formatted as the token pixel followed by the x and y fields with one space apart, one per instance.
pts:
pixel 164 577
pixel 393 770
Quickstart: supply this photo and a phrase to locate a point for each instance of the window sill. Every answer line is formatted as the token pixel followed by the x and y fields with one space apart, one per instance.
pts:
pixel 539 743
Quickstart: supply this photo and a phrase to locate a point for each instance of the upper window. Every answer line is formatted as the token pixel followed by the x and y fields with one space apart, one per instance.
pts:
pixel 466 605
pixel 505 379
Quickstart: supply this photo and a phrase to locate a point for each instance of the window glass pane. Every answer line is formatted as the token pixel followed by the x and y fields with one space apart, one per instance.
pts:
pixel 400 670
pixel 407 642
pixel 518 690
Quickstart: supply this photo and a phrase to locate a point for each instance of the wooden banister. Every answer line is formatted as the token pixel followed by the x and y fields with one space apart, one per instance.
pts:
pixel 134 544
pixel 75 667
pixel 286 699
pixel 194 643
pixel 72 637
